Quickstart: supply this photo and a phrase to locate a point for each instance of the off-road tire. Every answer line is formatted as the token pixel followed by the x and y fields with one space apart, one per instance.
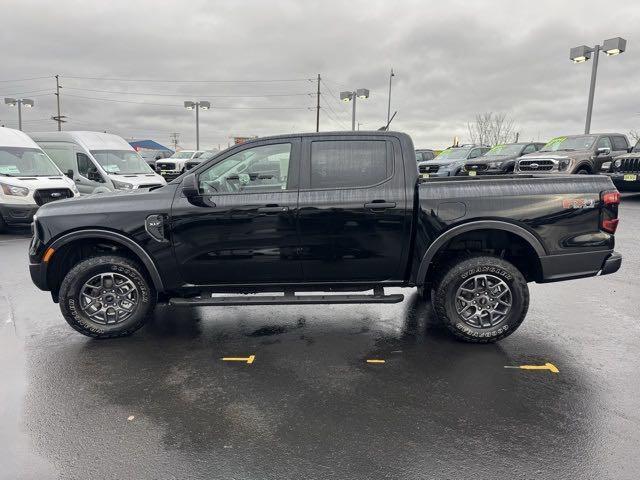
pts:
pixel 69 296
pixel 583 171
pixel 455 273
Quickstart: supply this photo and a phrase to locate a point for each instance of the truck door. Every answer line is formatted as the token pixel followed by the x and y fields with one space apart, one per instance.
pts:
pixel 352 209
pixel 242 228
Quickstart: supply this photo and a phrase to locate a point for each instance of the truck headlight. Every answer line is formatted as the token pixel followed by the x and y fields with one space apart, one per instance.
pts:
pixel 13 190
pixel 617 163
pixel 563 164
pixel 122 185
pixel 495 164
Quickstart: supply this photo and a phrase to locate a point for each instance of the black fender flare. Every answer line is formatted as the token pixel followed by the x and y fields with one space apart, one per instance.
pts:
pixel 442 240
pixel 123 240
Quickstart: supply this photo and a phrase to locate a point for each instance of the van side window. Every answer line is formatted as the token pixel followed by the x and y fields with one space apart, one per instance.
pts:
pixel 349 163
pixel 84 165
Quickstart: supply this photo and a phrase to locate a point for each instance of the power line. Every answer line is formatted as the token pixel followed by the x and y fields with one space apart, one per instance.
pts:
pixel 28 92
pixel 332 110
pixel 180 106
pixel 155 80
pixel 24 79
pixel 189 94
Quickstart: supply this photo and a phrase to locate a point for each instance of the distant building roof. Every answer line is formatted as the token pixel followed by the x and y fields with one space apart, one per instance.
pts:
pixel 148 144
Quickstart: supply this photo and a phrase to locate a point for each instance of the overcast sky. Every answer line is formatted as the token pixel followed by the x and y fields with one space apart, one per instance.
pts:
pixel 452 60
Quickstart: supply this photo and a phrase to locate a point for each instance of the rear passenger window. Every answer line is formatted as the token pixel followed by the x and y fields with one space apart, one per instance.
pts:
pixel 350 163
pixel 620 143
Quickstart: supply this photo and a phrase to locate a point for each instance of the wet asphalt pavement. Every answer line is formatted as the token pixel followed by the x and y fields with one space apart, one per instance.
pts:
pixel 310 406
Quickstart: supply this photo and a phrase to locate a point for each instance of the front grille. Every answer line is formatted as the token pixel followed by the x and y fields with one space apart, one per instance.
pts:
pixel 47 195
pixel 429 168
pixel 476 167
pixel 536 165
pixel 190 165
pixel 165 166
pixel 630 165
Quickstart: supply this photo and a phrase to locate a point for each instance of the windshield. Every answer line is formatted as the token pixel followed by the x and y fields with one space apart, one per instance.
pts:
pixel 121 162
pixel 453 154
pixel 20 162
pixel 505 150
pixel 182 154
pixel 582 142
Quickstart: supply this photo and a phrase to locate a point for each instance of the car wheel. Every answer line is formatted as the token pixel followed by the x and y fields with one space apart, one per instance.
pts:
pixel 481 299
pixel 582 171
pixel 106 297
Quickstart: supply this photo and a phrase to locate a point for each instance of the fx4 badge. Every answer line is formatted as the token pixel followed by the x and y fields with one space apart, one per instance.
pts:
pixel 578 203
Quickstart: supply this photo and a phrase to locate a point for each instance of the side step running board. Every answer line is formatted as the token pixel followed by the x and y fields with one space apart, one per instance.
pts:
pixel 284 300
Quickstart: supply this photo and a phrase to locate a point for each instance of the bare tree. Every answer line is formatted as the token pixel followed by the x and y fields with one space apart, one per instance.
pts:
pixel 491 128
pixel 635 135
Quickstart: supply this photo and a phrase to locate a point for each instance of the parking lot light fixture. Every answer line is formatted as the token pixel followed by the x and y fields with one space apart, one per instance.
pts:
pixel 12 102
pixel 611 47
pixel 361 93
pixel 197 106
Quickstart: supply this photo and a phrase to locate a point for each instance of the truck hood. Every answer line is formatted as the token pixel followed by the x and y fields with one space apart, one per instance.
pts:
pixel 492 158
pixel 35 183
pixel 575 155
pixel 442 163
pixel 139 178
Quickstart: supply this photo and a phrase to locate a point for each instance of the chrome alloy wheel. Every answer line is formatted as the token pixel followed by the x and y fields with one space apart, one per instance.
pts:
pixel 109 298
pixel 483 301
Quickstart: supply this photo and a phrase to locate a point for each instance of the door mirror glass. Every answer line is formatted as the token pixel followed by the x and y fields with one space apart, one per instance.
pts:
pixel 69 173
pixel 95 176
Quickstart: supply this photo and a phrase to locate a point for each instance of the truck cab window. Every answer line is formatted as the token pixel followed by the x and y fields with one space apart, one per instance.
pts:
pixel 529 149
pixel 352 163
pixel 604 142
pixel 258 169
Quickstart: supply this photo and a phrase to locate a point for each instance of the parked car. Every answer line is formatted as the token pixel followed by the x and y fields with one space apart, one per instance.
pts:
pixel 581 154
pixel 189 164
pixel 98 162
pixel 28 179
pixel 625 170
pixel 500 159
pixel 174 166
pixel 424 154
pixel 450 161
pixel 342 212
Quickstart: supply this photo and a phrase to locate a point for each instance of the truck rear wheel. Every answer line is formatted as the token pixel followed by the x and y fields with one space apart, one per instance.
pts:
pixel 106 297
pixel 481 299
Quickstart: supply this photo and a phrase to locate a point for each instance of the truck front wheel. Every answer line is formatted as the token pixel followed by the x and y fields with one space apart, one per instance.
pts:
pixel 106 296
pixel 481 299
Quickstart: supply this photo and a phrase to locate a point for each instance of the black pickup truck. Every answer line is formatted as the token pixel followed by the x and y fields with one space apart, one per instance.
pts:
pixel 329 212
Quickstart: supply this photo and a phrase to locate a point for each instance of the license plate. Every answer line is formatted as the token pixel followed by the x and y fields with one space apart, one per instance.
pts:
pixel 424 175
pixel 472 173
pixel 630 178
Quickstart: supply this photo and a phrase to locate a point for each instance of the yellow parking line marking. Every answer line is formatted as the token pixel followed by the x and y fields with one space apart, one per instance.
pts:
pixel 248 359
pixel 375 360
pixel 547 366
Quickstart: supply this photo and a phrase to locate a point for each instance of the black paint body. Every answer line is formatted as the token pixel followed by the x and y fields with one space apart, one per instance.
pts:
pixel 327 239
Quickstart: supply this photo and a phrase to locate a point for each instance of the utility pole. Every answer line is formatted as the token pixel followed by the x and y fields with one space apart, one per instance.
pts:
pixel 391 75
pixel 58 118
pixel 174 140
pixel 318 107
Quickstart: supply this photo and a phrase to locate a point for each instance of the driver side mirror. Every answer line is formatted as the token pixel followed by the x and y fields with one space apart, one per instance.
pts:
pixel 190 186
pixel 94 176
pixel 69 173
pixel 603 151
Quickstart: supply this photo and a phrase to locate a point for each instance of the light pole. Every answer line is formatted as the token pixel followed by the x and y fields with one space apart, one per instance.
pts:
pixel 391 75
pixel 197 106
pixel 612 46
pixel 12 102
pixel 361 93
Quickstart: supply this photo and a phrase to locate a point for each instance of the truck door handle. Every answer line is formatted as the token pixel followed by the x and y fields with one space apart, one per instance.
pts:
pixel 273 209
pixel 379 205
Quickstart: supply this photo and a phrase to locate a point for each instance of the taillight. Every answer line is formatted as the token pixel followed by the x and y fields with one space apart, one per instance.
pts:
pixel 609 212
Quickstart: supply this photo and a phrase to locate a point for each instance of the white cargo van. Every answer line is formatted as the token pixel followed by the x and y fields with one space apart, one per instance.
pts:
pixel 28 179
pixel 98 162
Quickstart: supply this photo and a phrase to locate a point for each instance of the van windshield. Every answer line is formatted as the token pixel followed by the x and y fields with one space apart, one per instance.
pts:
pixel 20 162
pixel 121 162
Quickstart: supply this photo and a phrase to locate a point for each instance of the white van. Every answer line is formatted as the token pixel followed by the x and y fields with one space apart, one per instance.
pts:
pixel 98 162
pixel 174 166
pixel 28 179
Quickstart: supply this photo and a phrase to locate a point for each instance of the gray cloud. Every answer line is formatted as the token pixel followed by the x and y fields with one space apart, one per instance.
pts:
pixel 453 59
